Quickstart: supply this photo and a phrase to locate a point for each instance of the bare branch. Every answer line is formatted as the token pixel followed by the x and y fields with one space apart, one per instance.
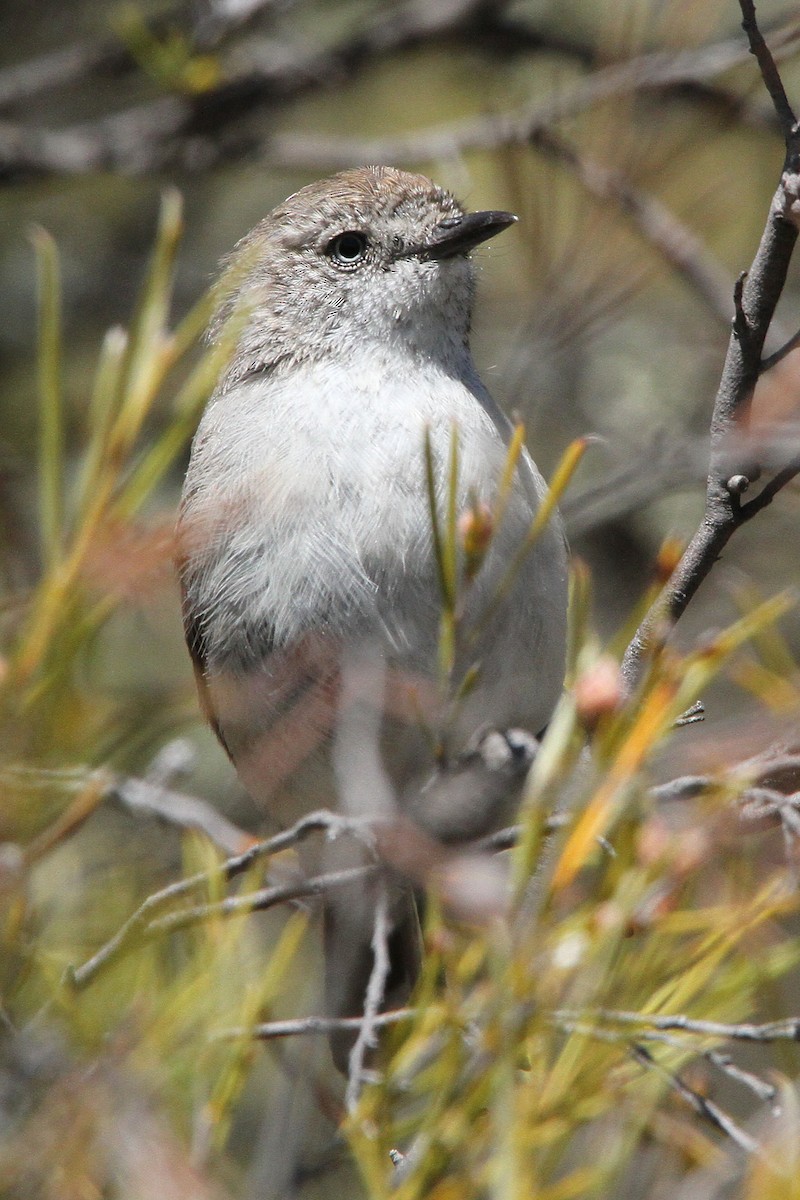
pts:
pixel 203 26
pixel 658 71
pixel 258 901
pixel 133 930
pixel 48 71
pixel 144 797
pixel 723 1062
pixel 755 298
pixel 305 1026
pixel 694 713
pixel 197 131
pixel 373 999
pixel 139 929
pixel 771 1031
pixel 685 787
pixel 755 786
pixel 770 490
pixel 769 71
pixel 782 352
pixel 701 1104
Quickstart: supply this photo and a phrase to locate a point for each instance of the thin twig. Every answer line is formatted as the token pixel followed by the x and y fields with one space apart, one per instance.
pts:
pixel 782 352
pixel 309 1026
pixel 573 1020
pixel 770 490
pixel 201 27
pixel 376 988
pixel 130 933
pixel 720 1061
pixel 787 1030
pixel 701 1104
pixel 759 1087
pixel 143 797
pixel 769 71
pixel 258 901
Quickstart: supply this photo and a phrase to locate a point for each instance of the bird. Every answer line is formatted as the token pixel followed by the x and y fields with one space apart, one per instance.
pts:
pixel 348 645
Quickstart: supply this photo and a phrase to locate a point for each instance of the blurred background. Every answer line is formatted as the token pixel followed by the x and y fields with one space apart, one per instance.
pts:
pixel 636 143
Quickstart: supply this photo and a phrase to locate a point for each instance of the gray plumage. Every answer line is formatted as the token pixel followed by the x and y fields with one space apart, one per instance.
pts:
pixel 311 592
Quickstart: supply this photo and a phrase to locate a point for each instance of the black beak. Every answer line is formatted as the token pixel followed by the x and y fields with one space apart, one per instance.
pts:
pixel 459 235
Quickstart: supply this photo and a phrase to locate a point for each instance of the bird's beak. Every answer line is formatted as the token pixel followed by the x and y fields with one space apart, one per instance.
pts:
pixel 460 235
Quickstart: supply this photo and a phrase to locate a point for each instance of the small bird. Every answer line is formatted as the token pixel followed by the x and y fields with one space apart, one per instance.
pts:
pixel 310 556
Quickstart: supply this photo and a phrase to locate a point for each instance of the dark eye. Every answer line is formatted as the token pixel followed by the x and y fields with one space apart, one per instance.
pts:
pixel 347 249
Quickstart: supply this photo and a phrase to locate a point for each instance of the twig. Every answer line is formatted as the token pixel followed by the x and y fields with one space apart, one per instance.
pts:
pixel 701 1104
pixel 755 299
pixel 685 787
pixel 130 933
pixel 770 490
pixel 657 71
pixel 694 713
pixel 768 69
pixel 304 1026
pixel 155 796
pixel 201 130
pixel 258 901
pixel 151 795
pixel 203 27
pixel 787 1030
pixel 760 1088
pixel 755 786
pixel 138 929
pixel 181 810
pixel 373 999
pixel 782 352
pixel 721 1062
pixel 653 1029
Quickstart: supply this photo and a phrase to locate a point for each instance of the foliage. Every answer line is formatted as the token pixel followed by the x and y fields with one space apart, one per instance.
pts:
pixel 606 1005
pixel 529 1064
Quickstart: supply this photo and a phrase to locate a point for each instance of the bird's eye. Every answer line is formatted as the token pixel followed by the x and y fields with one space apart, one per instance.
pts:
pixel 347 249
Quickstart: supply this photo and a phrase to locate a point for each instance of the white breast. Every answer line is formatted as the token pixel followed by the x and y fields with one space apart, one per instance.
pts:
pixel 306 508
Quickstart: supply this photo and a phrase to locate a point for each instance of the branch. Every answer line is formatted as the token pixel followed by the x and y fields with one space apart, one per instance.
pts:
pixel 770 490
pixel 769 71
pixel 257 901
pixel 764 789
pixel 305 1026
pixel 782 352
pixel 181 810
pixel 376 988
pixel 755 299
pixel 656 72
pixel 766 1033
pixel 199 130
pixel 771 1031
pixel 703 1106
pixel 144 919
pixel 754 1083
